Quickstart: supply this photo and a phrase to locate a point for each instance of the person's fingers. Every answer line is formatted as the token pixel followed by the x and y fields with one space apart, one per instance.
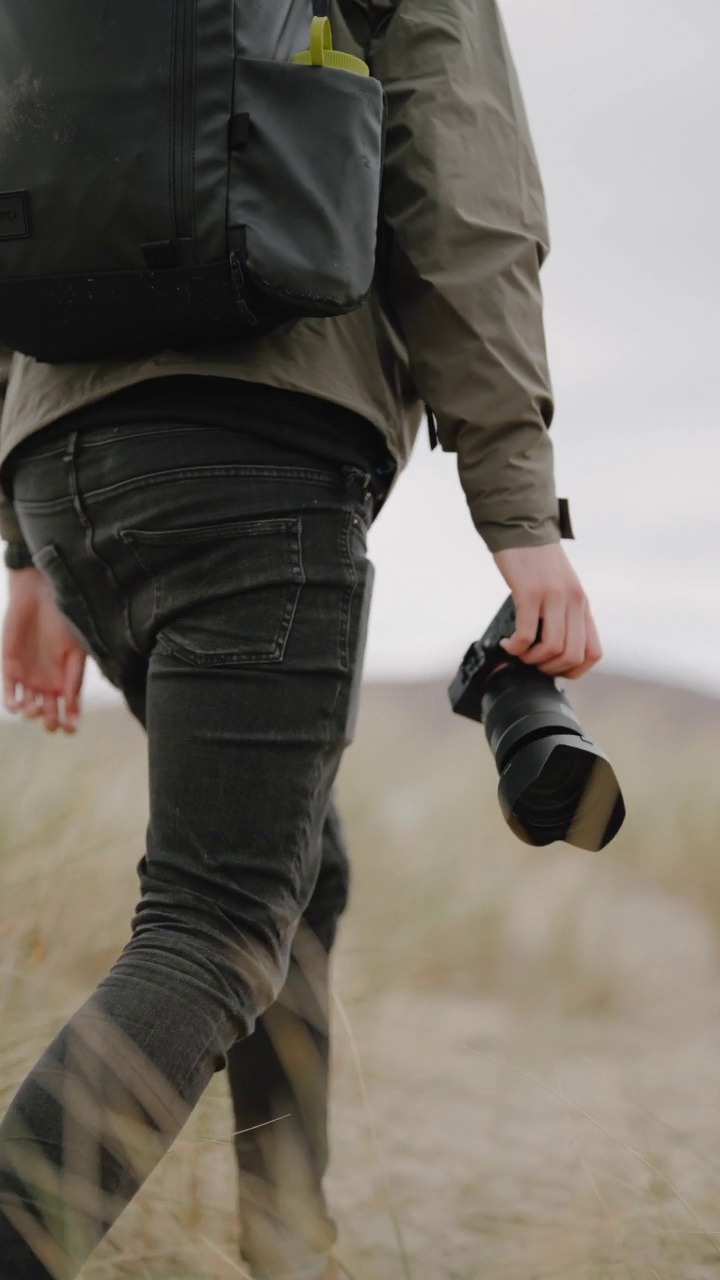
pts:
pixel 554 624
pixel 72 685
pixel 10 685
pixel 32 704
pixel 526 626
pixel 593 649
pixel 573 654
pixel 50 712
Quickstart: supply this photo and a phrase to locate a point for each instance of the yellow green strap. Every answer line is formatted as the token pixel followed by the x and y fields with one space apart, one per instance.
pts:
pixel 322 54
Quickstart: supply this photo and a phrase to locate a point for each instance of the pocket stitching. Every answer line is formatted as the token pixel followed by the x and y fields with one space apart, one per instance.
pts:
pixel 206 532
pixel 169 642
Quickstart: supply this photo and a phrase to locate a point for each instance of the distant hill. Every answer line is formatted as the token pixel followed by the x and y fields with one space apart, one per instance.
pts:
pixel 599 695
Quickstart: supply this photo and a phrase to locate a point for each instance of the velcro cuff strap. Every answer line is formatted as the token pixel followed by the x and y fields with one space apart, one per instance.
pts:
pixel 566 529
pixel 432 427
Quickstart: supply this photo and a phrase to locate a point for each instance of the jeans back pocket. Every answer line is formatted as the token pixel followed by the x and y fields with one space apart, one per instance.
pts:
pixel 223 593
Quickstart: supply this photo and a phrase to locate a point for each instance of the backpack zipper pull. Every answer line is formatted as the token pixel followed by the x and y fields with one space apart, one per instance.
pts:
pixel 238 284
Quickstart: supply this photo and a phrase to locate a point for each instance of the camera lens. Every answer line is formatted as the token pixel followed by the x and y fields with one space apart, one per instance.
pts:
pixel 561 787
pixel 549 804
pixel 555 783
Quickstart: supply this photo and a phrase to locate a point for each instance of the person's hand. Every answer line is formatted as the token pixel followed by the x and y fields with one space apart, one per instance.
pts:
pixel 546 589
pixel 41 654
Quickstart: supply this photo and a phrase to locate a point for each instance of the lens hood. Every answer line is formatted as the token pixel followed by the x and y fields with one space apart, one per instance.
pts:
pixel 561 787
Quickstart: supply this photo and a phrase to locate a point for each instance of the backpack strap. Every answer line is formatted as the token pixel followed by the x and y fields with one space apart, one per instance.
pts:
pixel 321 8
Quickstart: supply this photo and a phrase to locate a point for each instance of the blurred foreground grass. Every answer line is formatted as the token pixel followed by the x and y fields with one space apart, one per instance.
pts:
pixel 537 1030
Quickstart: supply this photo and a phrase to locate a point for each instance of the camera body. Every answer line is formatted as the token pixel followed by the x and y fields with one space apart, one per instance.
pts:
pixel 555 783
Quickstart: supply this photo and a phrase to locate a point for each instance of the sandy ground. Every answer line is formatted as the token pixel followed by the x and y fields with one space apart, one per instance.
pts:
pixel 481 1138
pixel 515 1145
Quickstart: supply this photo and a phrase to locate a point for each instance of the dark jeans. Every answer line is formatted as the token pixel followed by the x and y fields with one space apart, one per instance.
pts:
pixel 225 588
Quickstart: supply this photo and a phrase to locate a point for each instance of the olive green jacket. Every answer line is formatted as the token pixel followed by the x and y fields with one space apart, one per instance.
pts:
pixel 455 318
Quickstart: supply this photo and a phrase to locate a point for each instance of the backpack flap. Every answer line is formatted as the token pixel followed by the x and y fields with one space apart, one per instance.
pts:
pixel 304 184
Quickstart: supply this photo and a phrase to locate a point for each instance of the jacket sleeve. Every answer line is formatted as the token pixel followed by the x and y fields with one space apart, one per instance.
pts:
pixel 464 209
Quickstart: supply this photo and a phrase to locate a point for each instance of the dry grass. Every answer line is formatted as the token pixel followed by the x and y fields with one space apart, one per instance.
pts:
pixel 526 1044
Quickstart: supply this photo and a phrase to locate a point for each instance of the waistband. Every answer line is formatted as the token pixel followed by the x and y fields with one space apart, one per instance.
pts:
pixel 306 429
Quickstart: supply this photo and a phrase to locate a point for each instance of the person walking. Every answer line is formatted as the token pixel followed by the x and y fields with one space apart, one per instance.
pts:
pixel 197 522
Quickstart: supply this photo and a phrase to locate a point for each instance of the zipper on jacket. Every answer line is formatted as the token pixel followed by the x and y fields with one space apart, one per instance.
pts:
pixel 183 103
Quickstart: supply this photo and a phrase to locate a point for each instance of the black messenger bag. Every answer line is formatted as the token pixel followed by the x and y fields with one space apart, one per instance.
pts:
pixel 168 176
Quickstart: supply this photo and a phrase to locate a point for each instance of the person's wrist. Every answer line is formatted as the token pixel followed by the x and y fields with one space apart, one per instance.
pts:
pixel 516 534
pixel 18 556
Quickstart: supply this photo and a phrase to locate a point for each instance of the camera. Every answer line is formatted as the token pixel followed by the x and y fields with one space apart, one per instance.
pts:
pixel 555 783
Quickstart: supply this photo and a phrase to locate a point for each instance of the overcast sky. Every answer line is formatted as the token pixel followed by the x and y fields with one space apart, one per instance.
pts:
pixel 624 103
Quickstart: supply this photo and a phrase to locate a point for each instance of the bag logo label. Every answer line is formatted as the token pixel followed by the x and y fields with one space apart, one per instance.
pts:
pixel 14 215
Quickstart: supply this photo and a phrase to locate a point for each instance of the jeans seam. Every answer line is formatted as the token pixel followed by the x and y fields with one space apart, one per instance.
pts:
pixel 70 460
pixel 32 505
pixel 221 1018
pixel 349 592
pixel 258 471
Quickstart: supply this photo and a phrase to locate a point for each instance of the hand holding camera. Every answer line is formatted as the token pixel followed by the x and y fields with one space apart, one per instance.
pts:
pixel 546 589
pixel 555 783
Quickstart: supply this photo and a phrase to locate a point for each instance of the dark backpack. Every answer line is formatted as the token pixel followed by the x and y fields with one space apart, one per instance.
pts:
pixel 168 177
